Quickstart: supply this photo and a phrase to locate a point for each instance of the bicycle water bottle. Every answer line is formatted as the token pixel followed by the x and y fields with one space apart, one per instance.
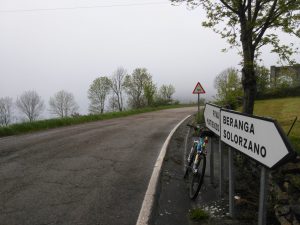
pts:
pixel 200 145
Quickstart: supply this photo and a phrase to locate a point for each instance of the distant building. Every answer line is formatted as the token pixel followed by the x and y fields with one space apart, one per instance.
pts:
pixel 288 75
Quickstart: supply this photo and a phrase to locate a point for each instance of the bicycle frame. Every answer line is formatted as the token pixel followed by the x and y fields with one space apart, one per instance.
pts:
pixel 201 150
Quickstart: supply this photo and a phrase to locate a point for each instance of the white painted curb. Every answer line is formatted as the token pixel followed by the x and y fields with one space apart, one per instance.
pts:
pixel 145 211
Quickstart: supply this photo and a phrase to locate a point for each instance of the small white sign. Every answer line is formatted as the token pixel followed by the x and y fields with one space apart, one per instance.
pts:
pixel 257 137
pixel 212 115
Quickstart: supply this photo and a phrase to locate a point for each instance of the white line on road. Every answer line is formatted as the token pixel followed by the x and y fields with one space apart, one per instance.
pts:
pixel 145 211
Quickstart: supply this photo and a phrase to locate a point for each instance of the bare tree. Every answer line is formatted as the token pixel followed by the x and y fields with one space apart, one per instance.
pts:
pixel 63 104
pixel 30 104
pixel 5 111
pixel 113 102
pixel 117 84
pixel 97 93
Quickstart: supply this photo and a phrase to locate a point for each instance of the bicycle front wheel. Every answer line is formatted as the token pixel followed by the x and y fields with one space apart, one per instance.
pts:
pixel 197 178
pixel 190 162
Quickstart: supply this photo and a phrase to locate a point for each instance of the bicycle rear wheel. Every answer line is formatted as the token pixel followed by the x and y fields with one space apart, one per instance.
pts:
pixel 197 178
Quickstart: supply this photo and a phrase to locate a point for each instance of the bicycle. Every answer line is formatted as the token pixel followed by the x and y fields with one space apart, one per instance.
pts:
pixel 196 161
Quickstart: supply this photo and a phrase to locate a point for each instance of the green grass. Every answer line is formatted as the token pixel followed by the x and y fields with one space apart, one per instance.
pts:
pixel 22 128
pixel 198 214
pixel 284 110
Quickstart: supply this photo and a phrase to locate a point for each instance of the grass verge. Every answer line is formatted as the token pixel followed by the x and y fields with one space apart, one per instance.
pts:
pixel 27 127
pixel 198 214
pixel 284 110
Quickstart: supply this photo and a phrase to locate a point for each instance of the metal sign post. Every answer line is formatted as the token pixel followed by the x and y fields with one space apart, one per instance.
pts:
pixel 221 172
pixel 198 104
pixel 212 114
pixel 262 211
pixel 211 151
pixel 231 182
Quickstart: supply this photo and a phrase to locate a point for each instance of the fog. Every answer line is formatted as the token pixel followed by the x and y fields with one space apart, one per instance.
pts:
pixel 65 44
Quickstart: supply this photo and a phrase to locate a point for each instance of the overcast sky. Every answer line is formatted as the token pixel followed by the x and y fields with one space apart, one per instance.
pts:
pixel 75 41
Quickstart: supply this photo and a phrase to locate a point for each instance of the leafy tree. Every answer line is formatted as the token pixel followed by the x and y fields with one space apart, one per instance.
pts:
pixel 284 82
pixel 5 111
pixel 262 79
pixel 149 91
pixel 63 104
pixel 286 78
pixel 97 94
pixel 166 92
pixel 117 85
pixel 135 86
pixel 30 104
pixel 250 24
pixel 228 85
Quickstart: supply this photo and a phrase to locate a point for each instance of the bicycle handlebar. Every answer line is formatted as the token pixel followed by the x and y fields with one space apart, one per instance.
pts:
pixel 196 127
pixel 192 126
pixel 202 131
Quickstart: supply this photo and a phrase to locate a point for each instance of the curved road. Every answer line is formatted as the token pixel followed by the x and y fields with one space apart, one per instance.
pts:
pixel 91 174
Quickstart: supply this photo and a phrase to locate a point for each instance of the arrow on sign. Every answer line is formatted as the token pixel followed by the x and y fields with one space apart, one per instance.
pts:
pixel 198 89
pixel 260 138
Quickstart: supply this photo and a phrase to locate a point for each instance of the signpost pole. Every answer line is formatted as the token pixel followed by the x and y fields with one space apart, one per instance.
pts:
pixel 198 105
pixel 221 179
pixel 231 183
pixel 211 151
pixel 262 213
pixel 198 90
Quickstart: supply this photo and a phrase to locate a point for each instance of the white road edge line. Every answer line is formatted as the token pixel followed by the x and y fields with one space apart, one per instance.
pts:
pixel 145 211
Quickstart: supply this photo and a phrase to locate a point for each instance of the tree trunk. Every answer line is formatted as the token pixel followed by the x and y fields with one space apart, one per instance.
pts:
pixel 249 86
pixel 248 74
pixel 119 102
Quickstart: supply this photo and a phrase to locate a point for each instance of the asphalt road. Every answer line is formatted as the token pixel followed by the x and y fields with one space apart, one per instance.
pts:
pixel 90 174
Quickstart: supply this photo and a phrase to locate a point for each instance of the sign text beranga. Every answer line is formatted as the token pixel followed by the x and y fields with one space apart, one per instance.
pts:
pixel 257 137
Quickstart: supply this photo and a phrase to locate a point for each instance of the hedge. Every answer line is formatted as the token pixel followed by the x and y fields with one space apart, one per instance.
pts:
pixel 279 93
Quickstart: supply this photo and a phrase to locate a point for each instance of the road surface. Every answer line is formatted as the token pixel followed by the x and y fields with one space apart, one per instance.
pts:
pixel 90 174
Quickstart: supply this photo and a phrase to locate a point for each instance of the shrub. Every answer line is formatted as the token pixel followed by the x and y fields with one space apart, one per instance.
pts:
pixel 198 214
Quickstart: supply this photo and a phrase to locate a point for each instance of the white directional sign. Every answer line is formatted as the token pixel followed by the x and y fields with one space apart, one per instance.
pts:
pixel 212 114
pixel 259 138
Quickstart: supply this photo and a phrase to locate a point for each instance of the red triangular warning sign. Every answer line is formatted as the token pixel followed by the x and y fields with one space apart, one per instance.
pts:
pixel 198 89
